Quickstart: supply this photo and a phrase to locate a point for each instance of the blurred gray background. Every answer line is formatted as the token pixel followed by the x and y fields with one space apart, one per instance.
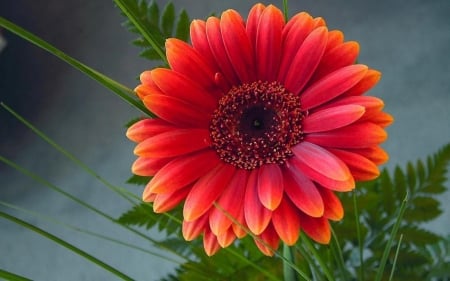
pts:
pixel 408 41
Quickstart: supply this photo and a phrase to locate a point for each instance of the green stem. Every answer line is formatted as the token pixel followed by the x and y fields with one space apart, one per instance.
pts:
pixel 339 257
pixel 12 276
pixel 394 264
pixel 66 245
pixel 122 91
pixel 285 10
pixel 358 234
pixel 318 257
pixel 394 231
pixel 289 273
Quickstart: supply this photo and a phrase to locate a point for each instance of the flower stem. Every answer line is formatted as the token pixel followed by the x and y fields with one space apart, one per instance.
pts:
pixel 285 10
pixel 358 233
pixel 289 272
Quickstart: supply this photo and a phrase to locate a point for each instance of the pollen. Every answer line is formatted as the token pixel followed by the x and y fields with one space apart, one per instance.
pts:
pixel 256 124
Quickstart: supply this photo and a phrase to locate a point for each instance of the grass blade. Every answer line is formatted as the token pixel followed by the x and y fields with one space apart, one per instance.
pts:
pixel 395 257
pixel 66 245
pixel 122 91
pixel 12 276
pixel 358 233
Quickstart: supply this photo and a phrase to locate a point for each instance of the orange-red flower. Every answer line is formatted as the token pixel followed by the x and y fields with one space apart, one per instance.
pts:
pixel 259 123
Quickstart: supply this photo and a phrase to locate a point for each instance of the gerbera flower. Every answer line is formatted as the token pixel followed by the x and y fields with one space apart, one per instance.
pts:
pixel 259 123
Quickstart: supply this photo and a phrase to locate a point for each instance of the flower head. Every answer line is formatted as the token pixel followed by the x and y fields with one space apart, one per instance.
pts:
pixel 258 123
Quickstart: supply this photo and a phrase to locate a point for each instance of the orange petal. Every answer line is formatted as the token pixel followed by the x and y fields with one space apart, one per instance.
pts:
pixel 305 62
pixel 303 192
pixel 369 80
pixel 239 48
pixel 174 143
pixel 316 228
pixel 192 229
pixel 270 186
pixel 225 239
pixel 240 228
pixel 332 85
pixel 372 105
pixel 167 201
pixel 360 167
pixel 176 111
pixel 230 203
pixel 268 241
pixel 335 38
pixel 332 118
pixel 375 154
pixel 268 43
pixel 286 221
pixel 147 128
pixel 256 215
pixel 179 86
pixel 144 166
pixel 333 207
pixel 210 243
pixel 181 171
pixel 206 190
pixel 357 135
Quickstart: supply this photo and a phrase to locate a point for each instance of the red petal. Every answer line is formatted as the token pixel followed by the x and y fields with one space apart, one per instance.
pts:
pixel 268 43
pixel 210 243
pixel 357 135
pixel 286 221
pixel 179 86
pixel 230 203
pixel 181 171
pixel 360 167
pixel 256 215
pixel 186 60
pixel 253 21
pixel 270 186
pixel 200 42
pixel 225 239
pixel 367 82
pixel 316 228
pixel 372 105
pixel 268 241
pixel 332 85
pixel 321 161
pixel 332 118
pixel 174 143
pixel 238 45
pixel 340 56
pixel 206 190
pixel 146 128
pixel 218 50
pixel 167 201
pixel 192 229
pixel 305 61
pixel 333 207
pixel 303 192
pixel 294 33
pixel 176 111
pixel 144 166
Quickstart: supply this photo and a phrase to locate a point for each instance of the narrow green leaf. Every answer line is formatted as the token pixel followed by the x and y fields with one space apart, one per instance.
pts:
pixel 168 19
pixel 12 276
pixel 395 257
pixel 153 12
pixel 66 245
pixel 420 171
pixel 119 89
pixel 289 273
pixel 138 180
pixel 399 182
pixel 411 176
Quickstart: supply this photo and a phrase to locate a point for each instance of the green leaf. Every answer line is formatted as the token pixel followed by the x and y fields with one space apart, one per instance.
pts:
pixel 138 180
pixel 418 236
pixel 168 19
pixel 399 182
pixel 154 27
pixel 182 31
pixel 423 209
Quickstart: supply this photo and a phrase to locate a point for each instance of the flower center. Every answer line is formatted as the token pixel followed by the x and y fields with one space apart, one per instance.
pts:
pixel 256 124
